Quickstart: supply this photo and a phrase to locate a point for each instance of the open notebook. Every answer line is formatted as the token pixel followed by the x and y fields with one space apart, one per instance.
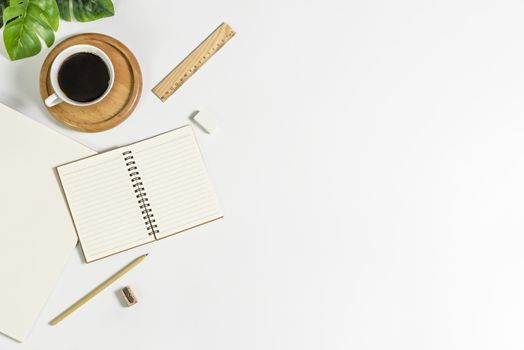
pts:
pixel 37 234
pixel 137 194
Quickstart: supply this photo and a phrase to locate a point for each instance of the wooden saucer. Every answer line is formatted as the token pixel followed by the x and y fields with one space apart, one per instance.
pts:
pixel 117 105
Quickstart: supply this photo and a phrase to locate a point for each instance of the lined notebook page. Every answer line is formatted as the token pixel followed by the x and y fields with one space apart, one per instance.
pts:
pixel 176 182
pixel 173 183
pixel 104 207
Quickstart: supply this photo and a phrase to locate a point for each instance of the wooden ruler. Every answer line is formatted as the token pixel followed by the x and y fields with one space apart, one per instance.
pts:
pixel 193 61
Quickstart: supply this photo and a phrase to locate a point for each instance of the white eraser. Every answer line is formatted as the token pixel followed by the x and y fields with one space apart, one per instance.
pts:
pixel 206 121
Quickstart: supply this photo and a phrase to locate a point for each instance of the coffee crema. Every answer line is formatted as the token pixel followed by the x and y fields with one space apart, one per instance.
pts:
pixel 83 77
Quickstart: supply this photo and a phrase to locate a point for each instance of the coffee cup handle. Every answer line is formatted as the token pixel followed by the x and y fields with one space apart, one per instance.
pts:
pixel 52 100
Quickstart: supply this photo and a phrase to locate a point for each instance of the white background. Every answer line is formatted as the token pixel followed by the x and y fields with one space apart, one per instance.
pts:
pixel 369 163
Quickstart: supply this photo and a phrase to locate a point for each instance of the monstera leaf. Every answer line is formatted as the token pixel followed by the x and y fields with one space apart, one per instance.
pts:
pixel 85 10
pixel 3 5
pixel 26 22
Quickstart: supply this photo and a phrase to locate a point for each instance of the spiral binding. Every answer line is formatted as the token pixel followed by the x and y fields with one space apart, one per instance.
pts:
pixel 141 195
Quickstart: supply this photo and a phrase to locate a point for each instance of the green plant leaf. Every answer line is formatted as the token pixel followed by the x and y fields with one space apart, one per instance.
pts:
pixel 85 10
pixel 63 7
pixel 26 22
pixel 3 5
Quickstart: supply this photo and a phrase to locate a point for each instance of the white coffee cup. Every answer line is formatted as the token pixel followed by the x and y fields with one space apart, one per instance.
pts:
pixel 59 96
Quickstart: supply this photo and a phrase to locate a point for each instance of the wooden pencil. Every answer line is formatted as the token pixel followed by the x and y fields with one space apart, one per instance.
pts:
pixel 97 290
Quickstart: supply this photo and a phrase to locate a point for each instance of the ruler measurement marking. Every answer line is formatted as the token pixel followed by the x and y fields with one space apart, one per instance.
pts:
pixel 180 74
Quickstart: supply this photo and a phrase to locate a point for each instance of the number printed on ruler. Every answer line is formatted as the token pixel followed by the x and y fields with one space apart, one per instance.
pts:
pixel 193 61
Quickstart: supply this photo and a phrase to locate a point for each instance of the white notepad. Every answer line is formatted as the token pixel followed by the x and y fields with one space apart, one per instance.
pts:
pixel 139 193
pixel 37 234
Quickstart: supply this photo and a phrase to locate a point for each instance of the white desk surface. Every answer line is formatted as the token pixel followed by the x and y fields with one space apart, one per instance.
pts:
pixel 369 163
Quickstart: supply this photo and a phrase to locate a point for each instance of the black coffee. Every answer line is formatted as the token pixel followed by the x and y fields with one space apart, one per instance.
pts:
pixel 83 77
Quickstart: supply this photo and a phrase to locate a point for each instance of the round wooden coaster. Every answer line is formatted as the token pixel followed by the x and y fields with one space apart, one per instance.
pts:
pixel 117 105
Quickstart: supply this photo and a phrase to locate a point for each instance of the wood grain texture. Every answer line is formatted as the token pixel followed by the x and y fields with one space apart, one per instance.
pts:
pixel 193 61
pixel 117 105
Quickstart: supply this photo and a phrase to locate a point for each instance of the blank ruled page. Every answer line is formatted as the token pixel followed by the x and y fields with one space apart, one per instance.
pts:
pixel 176 182
pixel 103 204
pixel 175 193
